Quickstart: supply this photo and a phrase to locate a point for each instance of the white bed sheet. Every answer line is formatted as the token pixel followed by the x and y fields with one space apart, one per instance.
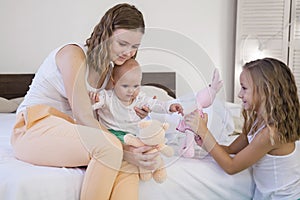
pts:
pixel 188 179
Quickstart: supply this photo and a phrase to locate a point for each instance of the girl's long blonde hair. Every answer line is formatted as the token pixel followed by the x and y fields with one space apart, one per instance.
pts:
pixel 275 96
pixel 121 16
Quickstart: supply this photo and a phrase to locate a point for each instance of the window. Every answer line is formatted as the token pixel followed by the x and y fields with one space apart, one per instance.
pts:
pixel 268 28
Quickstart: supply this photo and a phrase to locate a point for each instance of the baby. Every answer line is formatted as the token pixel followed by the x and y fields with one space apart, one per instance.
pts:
pixel 115 107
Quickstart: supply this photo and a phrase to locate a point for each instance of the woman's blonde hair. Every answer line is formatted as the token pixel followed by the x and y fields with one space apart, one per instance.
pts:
pixel 121 16
pixel 275 96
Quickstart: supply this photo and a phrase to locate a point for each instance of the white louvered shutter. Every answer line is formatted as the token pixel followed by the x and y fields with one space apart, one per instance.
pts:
pixel 261 24
pixel 294 53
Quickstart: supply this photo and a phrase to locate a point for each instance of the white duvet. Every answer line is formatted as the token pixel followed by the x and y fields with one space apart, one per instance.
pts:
pixel 188 179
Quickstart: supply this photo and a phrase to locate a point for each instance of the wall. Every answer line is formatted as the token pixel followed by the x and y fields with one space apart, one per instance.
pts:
pixel 32 28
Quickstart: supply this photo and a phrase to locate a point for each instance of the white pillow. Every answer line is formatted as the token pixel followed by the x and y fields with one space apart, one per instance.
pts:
pixel 9 105
pixel 236 113
pixel 160 94
pixel 220 121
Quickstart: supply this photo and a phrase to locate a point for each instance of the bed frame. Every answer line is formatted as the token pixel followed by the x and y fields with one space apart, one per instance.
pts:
pixel 214 183
pixel 16 85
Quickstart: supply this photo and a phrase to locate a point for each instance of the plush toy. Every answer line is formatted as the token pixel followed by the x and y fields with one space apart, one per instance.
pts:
pixel 152 132
pixel 204 99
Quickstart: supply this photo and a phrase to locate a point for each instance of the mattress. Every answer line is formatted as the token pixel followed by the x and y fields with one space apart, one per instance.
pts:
pixel 188 179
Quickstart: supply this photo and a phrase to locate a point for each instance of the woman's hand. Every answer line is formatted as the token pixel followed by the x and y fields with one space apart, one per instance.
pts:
pixel 138 157
pixel 198 122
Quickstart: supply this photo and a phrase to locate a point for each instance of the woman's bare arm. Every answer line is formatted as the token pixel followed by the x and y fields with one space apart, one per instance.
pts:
pixel 71 63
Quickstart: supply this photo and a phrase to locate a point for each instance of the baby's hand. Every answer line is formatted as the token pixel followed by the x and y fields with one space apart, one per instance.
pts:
pixel 94 97
pixel 176 107
pixel 144 111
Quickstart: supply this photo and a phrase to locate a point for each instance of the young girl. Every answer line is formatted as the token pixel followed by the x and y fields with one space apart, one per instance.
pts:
pixel 270 139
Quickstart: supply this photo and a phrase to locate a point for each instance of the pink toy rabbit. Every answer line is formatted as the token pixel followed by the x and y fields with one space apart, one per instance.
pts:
pixel 204 98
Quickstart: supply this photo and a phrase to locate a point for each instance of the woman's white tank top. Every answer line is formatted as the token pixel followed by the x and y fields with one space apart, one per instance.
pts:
pixel 47 87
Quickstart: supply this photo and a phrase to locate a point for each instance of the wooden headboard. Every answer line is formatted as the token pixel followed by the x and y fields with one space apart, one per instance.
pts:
pixel 16 85
pixel 163 80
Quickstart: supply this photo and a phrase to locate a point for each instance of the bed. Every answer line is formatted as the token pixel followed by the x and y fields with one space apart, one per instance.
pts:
pixel 188 178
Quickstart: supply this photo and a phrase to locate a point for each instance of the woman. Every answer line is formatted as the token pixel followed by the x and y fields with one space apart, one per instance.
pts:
pixel 55 122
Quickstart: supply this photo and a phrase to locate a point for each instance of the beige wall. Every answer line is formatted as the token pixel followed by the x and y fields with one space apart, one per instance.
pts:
pixel 30 29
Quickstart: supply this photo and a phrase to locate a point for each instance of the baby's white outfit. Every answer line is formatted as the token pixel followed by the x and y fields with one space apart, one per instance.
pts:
pixel 113 114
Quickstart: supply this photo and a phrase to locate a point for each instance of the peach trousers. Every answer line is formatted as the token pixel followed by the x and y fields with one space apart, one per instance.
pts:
pixel 52 139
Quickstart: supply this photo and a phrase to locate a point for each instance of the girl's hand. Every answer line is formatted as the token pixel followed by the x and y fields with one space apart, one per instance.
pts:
pixel 176 107
pixel 138 157
pixel 197 122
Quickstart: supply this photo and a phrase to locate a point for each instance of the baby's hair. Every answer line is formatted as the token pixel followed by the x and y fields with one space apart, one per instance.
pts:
pixel 121 16
pixel 275 95
pixel 120 70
